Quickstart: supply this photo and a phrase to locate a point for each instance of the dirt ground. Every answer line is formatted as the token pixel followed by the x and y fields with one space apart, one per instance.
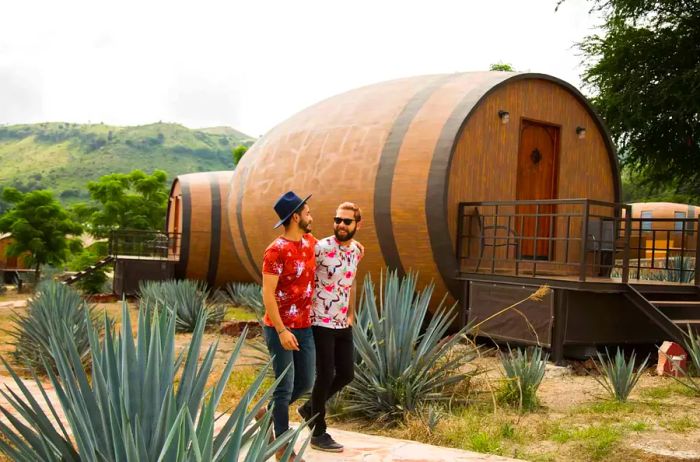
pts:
pixel 576 420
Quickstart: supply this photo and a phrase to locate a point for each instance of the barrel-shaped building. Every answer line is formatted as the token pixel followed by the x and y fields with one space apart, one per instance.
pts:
pixel 408 152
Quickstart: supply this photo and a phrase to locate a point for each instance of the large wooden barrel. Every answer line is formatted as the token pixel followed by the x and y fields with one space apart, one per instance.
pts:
pixel 408 151
pixel 196 211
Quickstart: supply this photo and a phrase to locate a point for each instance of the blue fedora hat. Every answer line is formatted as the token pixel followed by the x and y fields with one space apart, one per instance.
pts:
pixel 287 204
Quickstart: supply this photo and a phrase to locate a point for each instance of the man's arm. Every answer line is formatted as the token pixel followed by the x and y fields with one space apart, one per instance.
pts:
pixel 287 339
pixel 351 305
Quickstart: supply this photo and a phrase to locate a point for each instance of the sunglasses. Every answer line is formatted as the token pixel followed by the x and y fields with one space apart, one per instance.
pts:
pixel 347 221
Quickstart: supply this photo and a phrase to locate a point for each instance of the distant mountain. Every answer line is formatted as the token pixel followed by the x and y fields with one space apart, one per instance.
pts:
pixel 63 157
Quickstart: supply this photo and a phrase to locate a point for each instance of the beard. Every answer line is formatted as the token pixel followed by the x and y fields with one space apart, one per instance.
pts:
pixel 305 226
pixel 344 237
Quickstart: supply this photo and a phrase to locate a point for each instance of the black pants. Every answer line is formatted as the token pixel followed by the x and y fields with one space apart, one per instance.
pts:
pixel 334 369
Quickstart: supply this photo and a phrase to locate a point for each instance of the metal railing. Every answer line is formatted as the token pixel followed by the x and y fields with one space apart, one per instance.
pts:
pixel 578 238
pixel 141 244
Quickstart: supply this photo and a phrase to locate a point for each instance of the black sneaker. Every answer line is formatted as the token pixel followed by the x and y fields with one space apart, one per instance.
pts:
pixel 325 443
pixel 304 411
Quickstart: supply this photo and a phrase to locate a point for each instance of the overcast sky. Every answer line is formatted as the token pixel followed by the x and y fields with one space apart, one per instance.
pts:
pixel 251 64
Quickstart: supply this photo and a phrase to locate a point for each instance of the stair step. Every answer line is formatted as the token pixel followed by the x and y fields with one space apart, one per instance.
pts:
pixel 660 303
pixel 683 322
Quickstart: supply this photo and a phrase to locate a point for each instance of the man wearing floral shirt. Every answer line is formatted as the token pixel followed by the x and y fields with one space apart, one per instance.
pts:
pixel 288 271
pixel 332 316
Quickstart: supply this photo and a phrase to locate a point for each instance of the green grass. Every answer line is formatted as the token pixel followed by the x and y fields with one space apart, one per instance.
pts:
pixel 666 391
pixel 597 440
pixel 680 425
pixel 239 313
pixel 64 157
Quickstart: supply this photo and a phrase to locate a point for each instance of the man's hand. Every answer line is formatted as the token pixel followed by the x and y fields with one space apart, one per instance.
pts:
pixel 351 320
pixel 288 340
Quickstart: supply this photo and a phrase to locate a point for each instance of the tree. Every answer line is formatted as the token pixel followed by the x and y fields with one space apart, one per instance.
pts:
pixel 644 74
pixel 133 200
pixel 238 152
pixel 40 227
pixel 499 66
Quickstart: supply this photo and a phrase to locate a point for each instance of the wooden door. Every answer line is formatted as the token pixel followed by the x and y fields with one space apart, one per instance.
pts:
pixel 537 180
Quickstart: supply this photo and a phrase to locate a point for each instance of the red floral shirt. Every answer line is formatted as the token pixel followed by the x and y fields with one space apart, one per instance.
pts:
pixel 295 264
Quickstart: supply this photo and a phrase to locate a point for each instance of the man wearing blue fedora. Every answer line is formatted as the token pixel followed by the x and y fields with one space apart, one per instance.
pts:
pixel 288 271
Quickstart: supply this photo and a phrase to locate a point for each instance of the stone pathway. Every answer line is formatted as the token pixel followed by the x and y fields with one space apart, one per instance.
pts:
pixel 358 447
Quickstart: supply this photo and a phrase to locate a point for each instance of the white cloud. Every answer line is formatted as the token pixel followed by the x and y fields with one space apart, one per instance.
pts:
pixel 252 64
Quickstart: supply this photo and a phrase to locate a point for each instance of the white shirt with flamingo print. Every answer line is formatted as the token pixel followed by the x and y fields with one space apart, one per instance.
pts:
pixel 335 274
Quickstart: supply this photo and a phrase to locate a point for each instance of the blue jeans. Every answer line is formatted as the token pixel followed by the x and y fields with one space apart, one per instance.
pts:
pixel 299 378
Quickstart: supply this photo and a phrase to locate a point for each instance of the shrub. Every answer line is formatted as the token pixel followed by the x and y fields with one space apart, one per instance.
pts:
pixel 186 298
pixel 402 369
pixel 129 408
pixel 617 375
pixel 524 373
pixel 56 312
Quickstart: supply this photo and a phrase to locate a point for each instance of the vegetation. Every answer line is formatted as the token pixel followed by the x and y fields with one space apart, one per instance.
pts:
pixel 93 283
pixel 642 71
pixel 188 299
pixel 247 295
pixel 65 157
pixel 130 409
pixel 126 201
pixel 524 373
pixel 238 152
pixel 618 376
pixel 55 313
pixel 500 66
pixel 403 369
pixel 40 227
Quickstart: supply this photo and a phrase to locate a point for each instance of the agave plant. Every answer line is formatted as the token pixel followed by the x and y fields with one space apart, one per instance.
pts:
pixel 129 408
pixel 618 375
pixel 186 298
pixel 55 312
pixel 401 368
pixel 678 270
pixel 248 295
pixel 523 375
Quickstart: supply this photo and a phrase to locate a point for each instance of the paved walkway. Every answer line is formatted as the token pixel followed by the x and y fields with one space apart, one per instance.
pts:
pixel 358 447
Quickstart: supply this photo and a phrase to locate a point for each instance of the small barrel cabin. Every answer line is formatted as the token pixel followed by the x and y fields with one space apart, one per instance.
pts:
pixel 197 217
pixel 10 267
pixel 663 226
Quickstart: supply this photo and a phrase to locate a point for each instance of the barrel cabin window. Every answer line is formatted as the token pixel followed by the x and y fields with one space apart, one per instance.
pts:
pixel 679 223
pixel 646 224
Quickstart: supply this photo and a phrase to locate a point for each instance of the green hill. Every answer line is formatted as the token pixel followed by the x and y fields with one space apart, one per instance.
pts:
pixel 63 157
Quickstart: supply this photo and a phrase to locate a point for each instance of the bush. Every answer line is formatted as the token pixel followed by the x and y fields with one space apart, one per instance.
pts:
pixel 617 375
pixel 55 313
pixel 186 298
pixel 402 369
pixel 524 374
pixel 129 407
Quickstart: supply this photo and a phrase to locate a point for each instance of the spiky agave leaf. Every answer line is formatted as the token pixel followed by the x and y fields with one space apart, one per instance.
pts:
pixel 402 367
pixel 129 409
pixel 54 306
pixel 186 298
pixel 523 375
pixel 618 375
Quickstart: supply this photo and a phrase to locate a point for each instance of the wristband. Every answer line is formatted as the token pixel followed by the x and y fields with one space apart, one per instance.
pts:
pixel 279 332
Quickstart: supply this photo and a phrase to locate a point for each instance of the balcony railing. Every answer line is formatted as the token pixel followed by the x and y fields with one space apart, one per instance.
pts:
pixel 147 245
pixel 575 238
